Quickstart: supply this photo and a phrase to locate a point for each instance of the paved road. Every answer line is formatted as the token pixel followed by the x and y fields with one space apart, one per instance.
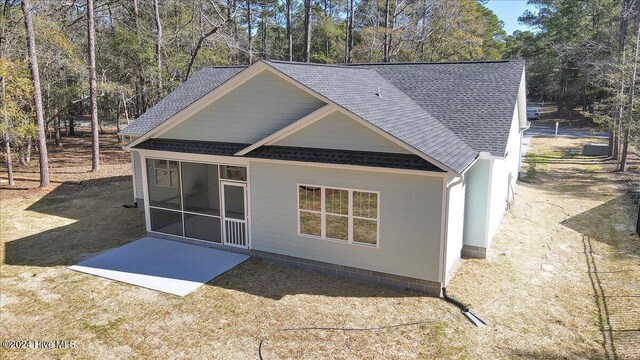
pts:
pixel 550 130
pixel 546 130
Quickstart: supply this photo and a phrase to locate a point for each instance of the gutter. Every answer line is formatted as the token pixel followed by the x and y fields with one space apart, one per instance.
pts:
pixel 446 188
pixel 462 306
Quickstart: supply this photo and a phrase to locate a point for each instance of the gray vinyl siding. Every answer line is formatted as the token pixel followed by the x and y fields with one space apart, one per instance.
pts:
pixel 137 175
pixel 254 110
pixel 338 131
pixel 410 214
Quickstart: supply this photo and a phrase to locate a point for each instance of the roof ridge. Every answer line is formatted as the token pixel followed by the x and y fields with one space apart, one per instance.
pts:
pixel 225 67
pixel 345 66
pixel 470 62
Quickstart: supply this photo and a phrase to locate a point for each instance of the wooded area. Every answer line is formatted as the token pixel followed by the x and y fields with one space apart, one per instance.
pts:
pixel 113 59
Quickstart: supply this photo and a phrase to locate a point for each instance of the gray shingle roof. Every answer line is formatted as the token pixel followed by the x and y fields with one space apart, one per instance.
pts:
pixel 304 154
pixel 199 85
pixel 448 111
pixel 394 112
pixel 475 100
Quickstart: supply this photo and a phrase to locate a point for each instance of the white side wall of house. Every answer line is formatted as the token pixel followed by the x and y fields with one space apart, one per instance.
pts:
pixel 455 227
pixel 410 218
pixel 338 131
pixel 491 182
pixel 254 110
pixel 504 177
pixel 136 171
pixel 477 203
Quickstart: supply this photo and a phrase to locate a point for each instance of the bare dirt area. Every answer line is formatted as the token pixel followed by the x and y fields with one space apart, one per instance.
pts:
pixel 562 281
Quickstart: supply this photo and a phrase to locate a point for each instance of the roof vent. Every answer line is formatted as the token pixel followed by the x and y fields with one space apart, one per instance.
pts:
pixel 379 93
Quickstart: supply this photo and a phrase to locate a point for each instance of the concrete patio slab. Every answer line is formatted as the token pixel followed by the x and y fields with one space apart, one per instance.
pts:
pixel 162 265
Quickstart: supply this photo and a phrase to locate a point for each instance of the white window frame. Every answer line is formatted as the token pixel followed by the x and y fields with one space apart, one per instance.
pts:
pixel 323 215
pixel 168 170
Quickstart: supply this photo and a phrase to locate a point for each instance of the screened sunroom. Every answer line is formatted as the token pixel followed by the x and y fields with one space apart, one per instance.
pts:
pixel 200 201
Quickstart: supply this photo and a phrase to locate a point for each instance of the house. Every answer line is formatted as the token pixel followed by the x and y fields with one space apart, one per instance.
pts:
pixel 385 173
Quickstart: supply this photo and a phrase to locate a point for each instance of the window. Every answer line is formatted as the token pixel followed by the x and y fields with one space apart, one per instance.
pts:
pixel 310 206
pixel 229 172
pixel 346 215
pixel 166 173
pixel 365 217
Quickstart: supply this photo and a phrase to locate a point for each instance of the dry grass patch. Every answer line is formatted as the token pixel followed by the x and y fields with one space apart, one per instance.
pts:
pixel 545 299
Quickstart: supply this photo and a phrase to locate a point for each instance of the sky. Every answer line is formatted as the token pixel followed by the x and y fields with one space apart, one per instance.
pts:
pixel 508 11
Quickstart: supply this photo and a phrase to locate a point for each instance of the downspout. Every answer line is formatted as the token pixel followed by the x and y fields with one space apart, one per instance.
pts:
pixel 462 306
pixel 447 188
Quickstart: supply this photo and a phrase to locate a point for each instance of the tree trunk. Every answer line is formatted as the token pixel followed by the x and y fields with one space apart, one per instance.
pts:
pixel 27 153
pixel 7 140
pixel 197 49
pixel 616 138
pixel 386 31
pixel 118 121
pixel 263 37
pixel 124 107
pixel 632 87
pixel 249 34
pixel 7 154
pixel 622 35
pixel 289 34
pixel 307 31
pixel 625 148
pixel 350 32
pixel 72 127
pixel 37 95
pixel 638 222
pixel 95 136
pixel 346 33
pixel 611 136
pixel 234 29
pixel 156 13
pixel 57 131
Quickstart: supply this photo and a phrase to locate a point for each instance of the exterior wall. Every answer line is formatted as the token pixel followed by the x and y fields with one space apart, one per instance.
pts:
pixel 136 172
pixel 504 177
pixel 410 219
pixel 254 110
pixel 372 277
pixel 338 131
pixel 455 219
pixel 491 182
pixel 477 204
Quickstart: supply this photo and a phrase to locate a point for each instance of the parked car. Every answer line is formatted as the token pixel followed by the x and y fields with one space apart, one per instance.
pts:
pixel 533 114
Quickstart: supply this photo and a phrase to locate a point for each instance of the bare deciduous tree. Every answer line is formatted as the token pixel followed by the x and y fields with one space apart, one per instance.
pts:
pixel 7 142
pixel 156 13
pixel 37 94
pixel 307 31
pixel 95 136
pixel 289 33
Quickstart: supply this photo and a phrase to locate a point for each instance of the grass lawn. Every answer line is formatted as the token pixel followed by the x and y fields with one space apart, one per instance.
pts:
pixel 562 280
